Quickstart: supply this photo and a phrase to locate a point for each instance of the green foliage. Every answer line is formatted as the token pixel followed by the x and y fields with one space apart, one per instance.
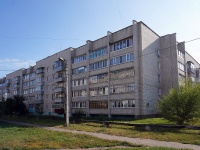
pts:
pixel 13 105
pixel 2 107
pixel 182 103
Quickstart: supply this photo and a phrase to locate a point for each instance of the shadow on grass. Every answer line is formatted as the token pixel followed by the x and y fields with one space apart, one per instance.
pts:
pixel 8 125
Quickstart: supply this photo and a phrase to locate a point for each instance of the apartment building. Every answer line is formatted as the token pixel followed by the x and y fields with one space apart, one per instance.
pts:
pixel 124 73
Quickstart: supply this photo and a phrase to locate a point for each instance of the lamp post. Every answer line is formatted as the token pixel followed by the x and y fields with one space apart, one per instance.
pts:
pixel 67 100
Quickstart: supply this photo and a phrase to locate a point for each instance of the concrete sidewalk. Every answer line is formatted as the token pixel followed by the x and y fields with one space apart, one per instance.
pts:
pixel 137 141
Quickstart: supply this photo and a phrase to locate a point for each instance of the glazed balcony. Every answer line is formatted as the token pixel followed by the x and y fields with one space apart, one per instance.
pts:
pixel 60 100
pixel 41 92
pixel 59 68
pixel 191 70
pixel 40 70
pixel 59 89
pixel 60 79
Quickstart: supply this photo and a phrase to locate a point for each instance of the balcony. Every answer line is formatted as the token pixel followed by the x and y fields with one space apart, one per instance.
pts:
pixel 7 91
pixel 59 89
pixel 59 100
pixel 60 79
pixel 17 81
pixel 191 70
pixel 40 82
pixel 59 68
pixel 59 111
pixel 7 84
pixel 39 92
pixel 40 70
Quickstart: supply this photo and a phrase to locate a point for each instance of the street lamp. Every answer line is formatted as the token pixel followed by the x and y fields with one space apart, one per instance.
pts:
pixel 67 101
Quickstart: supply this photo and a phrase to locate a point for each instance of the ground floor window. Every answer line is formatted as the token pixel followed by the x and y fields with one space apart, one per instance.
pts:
pixel 122 103
pixel 98 104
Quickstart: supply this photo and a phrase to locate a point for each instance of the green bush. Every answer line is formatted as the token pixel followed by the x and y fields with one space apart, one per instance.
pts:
pixel 182 103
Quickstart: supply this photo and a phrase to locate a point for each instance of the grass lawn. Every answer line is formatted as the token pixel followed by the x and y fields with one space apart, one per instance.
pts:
pixel 15 137
pixel 176 135
pixel 18 137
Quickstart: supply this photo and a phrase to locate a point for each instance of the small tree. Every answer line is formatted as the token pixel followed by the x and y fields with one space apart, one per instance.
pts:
pixel 182 103
pixel 2 107
pixel 15 105
pixel 19 106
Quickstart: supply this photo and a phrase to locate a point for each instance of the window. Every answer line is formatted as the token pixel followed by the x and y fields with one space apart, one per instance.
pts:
pixel 98 104
pixel 122 104
pixel 39 79
pixel 158 78
pixel 181 66
pixel 26 77
pixel 38 88
pixel 79 59
pixel 98 78
pixel 122 74
pixel 78 104
pixel 79 70
pixel 26 84
pixel 32 75
pixel 25 92
pixel 58 95
pixel 32 90
pixel 98 53
pixel 61 84
pixel 98 65
pixel 47 69
pixel 99 91
pixel 121 59
pixel 58 64
pixel 47 96
pixel 38 96
pixel 122 88
pixel 79 82
pixel 180 54
pixel 159 65
pixel 121 44
pixel 191 65
pixel 79 93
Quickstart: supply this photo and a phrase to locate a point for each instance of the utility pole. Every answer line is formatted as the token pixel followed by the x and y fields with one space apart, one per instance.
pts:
pixel 67 100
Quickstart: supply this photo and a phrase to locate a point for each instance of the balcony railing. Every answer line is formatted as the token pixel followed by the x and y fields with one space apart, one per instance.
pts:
pixel 59 100
pixel 40 70
pixel 191 70
pixel 60 79
pixel 59 89
pixel 7 84
pixel 41 92
pixel 17 81
pixel 59 68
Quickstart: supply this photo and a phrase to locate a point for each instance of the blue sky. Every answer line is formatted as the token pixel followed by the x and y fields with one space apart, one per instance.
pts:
pixel 33 29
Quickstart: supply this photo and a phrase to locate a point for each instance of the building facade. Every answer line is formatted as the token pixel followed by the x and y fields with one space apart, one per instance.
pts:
pixel 124 73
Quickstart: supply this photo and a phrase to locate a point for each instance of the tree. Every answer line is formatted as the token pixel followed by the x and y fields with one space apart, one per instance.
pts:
pixel 182 103
pixel 15 105
pixel 19 106
pixel 2 107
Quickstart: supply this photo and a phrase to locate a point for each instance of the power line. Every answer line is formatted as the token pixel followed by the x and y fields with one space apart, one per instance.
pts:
pixel 192 40
pixel 39 38
pixel 119 12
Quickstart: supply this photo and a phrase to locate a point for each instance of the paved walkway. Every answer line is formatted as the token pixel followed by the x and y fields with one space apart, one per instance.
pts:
pixel 137 141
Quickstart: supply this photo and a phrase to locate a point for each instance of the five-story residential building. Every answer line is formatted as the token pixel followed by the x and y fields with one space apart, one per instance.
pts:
pixel 124 73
